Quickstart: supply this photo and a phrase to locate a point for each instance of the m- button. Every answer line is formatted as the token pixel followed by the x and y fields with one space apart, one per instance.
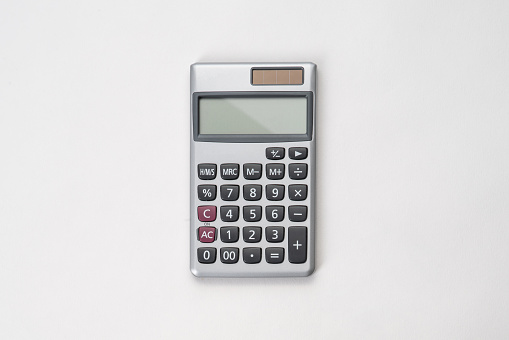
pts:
pixel 252 171
pixel 229 171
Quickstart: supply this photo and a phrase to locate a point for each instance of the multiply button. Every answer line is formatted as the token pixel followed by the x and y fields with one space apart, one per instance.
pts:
pixel 297 244
pixel 207 213
pixel 229 171
pixel 275 153
pixel 298 153
pixel 275 171
pixel 298 170
pixel 207 234
pixel 252 171
pixel 297 192
pixel 207 171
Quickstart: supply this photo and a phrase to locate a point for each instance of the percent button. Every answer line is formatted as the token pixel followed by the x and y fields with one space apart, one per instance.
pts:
pixel 207 192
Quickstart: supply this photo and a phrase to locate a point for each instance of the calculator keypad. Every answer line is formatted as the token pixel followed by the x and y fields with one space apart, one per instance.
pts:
pixel 238 183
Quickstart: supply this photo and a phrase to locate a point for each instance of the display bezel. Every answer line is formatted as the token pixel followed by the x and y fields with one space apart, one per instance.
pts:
pixel 253 138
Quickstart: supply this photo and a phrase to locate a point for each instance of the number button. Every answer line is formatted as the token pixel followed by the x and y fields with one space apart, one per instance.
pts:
pixel 275 171
pixel 206 255
pixel 229 171
pixel 229 255
pixel 274 234
pixel 207 171
pixel 229 234
pixel 297 213
pixel 207 213
pixel 275 192
pixel 274 255
pixel 229 213
pixel 252 171
pixel 206 192
pixel 297 244
pixel 275 213
pixel 298 170
pixel 298 153
pixel 252 192
pixel 252 213
pixel 252 255
pixel 297 192
pixel 229 192
pixel 275 153
pixel 252 234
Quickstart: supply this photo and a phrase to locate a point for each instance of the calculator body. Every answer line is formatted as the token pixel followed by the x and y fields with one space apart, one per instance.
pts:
pixel 252 182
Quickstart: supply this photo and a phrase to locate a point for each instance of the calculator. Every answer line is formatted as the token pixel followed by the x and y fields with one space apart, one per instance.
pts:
pixel 252 169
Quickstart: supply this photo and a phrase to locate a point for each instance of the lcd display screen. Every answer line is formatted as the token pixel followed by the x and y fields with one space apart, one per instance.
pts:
pixel 250 116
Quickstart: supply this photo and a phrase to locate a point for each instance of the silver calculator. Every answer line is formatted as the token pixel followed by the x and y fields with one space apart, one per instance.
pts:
pixel 252 169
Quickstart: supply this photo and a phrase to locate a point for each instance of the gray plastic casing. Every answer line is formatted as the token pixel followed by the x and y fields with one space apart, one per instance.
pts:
pixel 221 79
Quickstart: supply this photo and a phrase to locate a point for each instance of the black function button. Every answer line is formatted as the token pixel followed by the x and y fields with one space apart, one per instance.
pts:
pixel 252 171
pixel 229 171
pixel 297 192
pixel 275 213
pixel 275 153
pixel 297 244
pixel 297 213
pixel 229 192
pixel 275 171
pixel 275 192
pixel 275 234
pixel 206 192
pixel 252 255
pixel 252 192
pixel 206 255
pixel 252 234
pixel 252 213
pixel 274 255
pixel 207 171
pixel 229 234
pixel 229 213
pixel 229 255
pixel 298 170
pixel 298 153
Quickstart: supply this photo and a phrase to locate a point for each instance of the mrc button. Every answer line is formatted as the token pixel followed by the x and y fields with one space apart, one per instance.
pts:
pixel 229 171
pixel 207 171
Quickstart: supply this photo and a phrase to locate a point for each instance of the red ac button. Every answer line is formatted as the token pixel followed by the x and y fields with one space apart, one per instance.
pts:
pixel 207 234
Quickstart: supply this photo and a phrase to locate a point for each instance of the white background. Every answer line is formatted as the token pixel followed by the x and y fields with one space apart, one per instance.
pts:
pixel 413 170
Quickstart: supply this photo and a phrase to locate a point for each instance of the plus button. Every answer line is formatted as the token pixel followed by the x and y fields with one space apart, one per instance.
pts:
pixel 297 245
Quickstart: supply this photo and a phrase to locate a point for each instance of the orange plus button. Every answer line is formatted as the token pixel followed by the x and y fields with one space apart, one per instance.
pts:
pixel 207 213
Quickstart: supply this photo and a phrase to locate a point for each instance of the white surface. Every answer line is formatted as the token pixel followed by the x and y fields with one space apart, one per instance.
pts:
pixel 413 122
